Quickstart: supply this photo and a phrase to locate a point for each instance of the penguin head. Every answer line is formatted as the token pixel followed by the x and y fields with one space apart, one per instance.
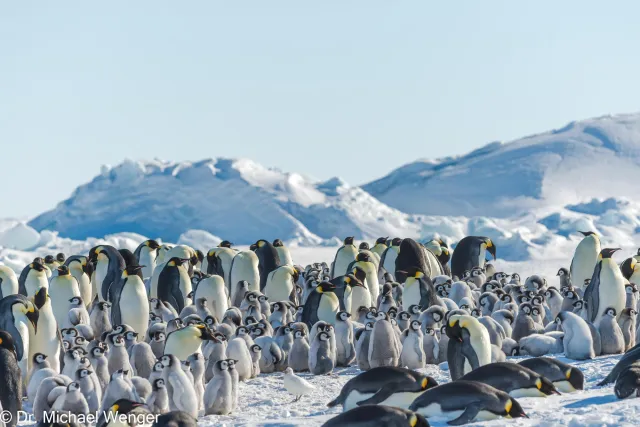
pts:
pixel 562 272
pixel 359 273
pixel 325 287
pixel 76 301
pixel 132 270
pixel 382 240
pixel 228 244
pixel 490 246
pixel 232 364
pixel 323 336
pixel 631 288
pixel 610 311
pixel 348 241
pixel 415 325
pixel 278 243
pixel 257 332
pixel 131 336
pixel 569 294
pixel 104 305
pixel 152 244
pixel 392 312
pixel 608 252
pixel 159 336
pixel 368 326
pixel 203 332
pixel 381 315
pixel 177 262
pixel 414 309
pixel 6 341
pixel 158 384
pixel 37 266
pixel 39 358
pixel 430 331
pixel 255 348
pixel 352 281
pixel 526 308
pixel 169 360
pixel 49 259
pixel 118 341
pixel 343 316
pixel 362 310
pixel 157 367
pixel 363 257
pixel 578 305
pixel 396 241
pixel 476 313
pixel 587 233
pixel 83 373
pixel 545 386
pixel 63 270
pixel 575 378
pixel 222 365
pixel 535 311
pixel 364 246
pixel 512 408
pixel 298 335
pixel 506 298
pixel 80 341
pixel 73 386
pixel 124 406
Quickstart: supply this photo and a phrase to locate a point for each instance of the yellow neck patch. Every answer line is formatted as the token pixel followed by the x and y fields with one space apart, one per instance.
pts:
pixel 413 420
pixel 508 406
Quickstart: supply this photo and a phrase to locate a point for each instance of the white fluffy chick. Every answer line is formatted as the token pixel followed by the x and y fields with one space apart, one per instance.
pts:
pixel 296 385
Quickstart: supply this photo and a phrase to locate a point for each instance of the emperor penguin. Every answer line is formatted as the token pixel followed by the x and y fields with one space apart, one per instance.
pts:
pixel 321 359
pixel 389 256
pixel 564 377
pixel 470 252
pixel 469 345
pixel 578 342
pixel 182 343
pixel 219 398
pixel 280 285
pixel 345 255
pixel 213 289
pixel 419 290
pixel 322 304
pixel 174 284
pixel 62 288
pixel 90 387
pixel 606 289
pixel 374 415
pixel 413 355
pixel 363 338
pixel 283 253
pixel 158 402
pixel 585 258
pixel 109 267
pixel 360 295
pixel 364 261
pixel 32 278
pixel 627 322
pixel 47 339
pixel 12 381
pixel 463 402
pixel 611 338
pixel 80 268
pixel 181 391
pixel 219 260
pixel 100 318
pixel 19 317
pixel 244 267
pixel 72 401
pixel 146 254
pixel 380 246
pixel 131 305
pixel 384 344
pixel 344 290
pixel 8 282
pixel 268 260
pixel 512 378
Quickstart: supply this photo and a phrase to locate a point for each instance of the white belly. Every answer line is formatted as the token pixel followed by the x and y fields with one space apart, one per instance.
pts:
pixel 411 295
pixel 527 392
pixel 244 269
pixel 612 293
pixel 84 284
pixel 213 289
pixel 564 386
pixel 148 259
pixel 328 308
pixel 60 296
pixel 434 410
pixel 100 274
pixel 401 400
pixel 353 398
pixel 46 340
pixel 584 261
pixel 390 262
pixel 345 257
pixel 34 282
pixel 278 289
pixel 360 297
pixel 134 308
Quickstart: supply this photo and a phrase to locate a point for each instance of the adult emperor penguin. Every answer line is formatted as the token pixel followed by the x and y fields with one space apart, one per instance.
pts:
pixel 372 416
pixel 146 253
pixel 387 385
pixel 268 260
pixel 62 288
pixel 244 267
pixel 606 289
pixel 322 304
pixel 585 258
pixel 32 278
pixel 283 253
pixel 471 252
pixel 463 402
pixel 131 304
pixel 469 345
pixel 388 258
pixel 184 342
pixel 281 284
pixel 109 268
pixel 47 339
pixel 565 378
pixel 213 289
pixel 628 382
pixel 19 317
pixel 380 246
pixel 12 383
pixel 174 284
pixel 80 268
pixel 512 378
pixel 8 282
pixel 345 255
pixel 419 290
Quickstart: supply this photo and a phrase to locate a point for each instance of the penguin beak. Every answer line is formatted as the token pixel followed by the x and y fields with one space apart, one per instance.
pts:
pixel 491 248
pixel 33 317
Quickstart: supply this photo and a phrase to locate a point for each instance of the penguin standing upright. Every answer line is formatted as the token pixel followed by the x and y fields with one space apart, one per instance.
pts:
pixel 384 344
pixel 109 268
pixel 131 305
pixel 606 289
pixel 281 284
pixel 213 289
pixel 364 261
pixel 388 257
pixel 469 345
pixel 32 278
pixel 268 260
pixel 80 268
pixel 283 253
pixel 174 284
pixel 244 267
pixel 8 282
pixel 585 258
pixel 47 339
pixel 380 246
pixel 322 304
pixel 11 391
pixel 63 287
pixel 219 260
pixel 419 290
pixel 19 317
pixel 471 252
pixel 146 254
pixel 345 255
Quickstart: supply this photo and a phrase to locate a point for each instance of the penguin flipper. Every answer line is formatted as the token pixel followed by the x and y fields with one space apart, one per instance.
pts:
pixel 591 294
pixel 386 391
pixel 469 414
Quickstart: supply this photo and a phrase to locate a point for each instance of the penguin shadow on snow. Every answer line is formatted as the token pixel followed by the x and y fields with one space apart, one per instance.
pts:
pixel 592 401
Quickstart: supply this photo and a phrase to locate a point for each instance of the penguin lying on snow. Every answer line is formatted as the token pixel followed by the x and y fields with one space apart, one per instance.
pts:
pixel 512 378
pixel 469 345
pixel 565 378
pixel 377 416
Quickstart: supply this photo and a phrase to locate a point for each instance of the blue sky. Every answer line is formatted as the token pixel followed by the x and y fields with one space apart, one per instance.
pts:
pixel 329 88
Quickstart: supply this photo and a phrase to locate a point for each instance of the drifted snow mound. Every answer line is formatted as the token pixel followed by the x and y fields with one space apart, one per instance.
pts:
pixel 20 236
pixel 593 158
pixel 237 199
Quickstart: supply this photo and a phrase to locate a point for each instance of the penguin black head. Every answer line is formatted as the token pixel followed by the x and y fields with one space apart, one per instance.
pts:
pixel 563 272
pixel 152 244
pixel 382 240
pixel 352 280
pixel 124 406
pixel 587 233
pixel 60 257
pixel 363 257
pixel 415 325
pixel 348 240
pixel 368 326
pixel 343 316
pixel 610 311
pixel 177 262
pixel 6 342
pixel 545 386
pixel 396 241
pixel 414 309
pixel 158 384
pixel 575 377
pixel 364 246
pixel 199 255
pixel 608 252
pixel 49 259
pixel 278 243
pixel 37 265
pixel 226 244
pixel 325 287
pixel 513 409
pixel 256 348
pixel 392 312
pixel 63 270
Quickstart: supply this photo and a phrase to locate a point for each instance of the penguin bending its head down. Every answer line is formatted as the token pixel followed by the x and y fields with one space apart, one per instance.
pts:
pixel 32 278
pixel 471 252
pixel 565 378
pixel 418 289
pixel 19 317
pixel 379 415
pixel 182 343
pixel 512 378
pixel 469 345
pixel 174 284
pixel 322 304
pixel 109 267
pixel 146 254
pixel 606 289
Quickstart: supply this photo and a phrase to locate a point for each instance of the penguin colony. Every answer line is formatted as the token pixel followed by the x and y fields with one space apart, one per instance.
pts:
pixel 171 331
